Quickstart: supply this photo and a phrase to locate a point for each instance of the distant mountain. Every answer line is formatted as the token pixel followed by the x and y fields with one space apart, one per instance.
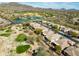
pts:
pixel 73 9
pixel 13 4
pixel 22 7
pixel 68 9
pixel 18 7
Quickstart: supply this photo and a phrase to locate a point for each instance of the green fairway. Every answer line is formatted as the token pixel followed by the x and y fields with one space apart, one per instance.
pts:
pixel 22 48
pixel 21 38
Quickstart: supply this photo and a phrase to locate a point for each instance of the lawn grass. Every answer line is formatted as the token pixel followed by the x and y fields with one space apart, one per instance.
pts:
pixel 6 34
pixel 22 48
pixel 21 38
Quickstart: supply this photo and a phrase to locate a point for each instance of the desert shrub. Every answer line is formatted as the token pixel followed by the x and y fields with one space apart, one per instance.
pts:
pixel 38 31
pixel 42 52
pixel 8 30
pixel 74 34
pixel 58 49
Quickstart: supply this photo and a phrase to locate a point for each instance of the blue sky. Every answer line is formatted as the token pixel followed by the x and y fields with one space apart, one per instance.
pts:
pixel 54 5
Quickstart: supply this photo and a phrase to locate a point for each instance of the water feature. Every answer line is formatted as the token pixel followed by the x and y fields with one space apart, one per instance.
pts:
pixel 27 19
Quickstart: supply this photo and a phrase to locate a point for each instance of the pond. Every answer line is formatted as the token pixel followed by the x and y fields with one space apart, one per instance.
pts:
pixel 28 19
